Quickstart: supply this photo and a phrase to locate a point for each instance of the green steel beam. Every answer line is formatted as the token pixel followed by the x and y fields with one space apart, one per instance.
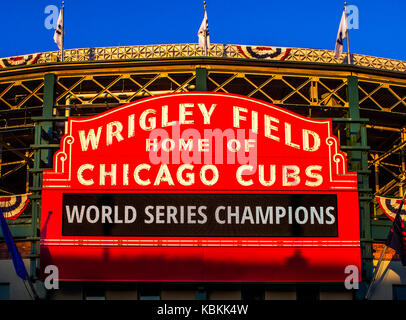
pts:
pixel 44 155
pixel 44 146
pixel 201 79
pixel 360 120
pixel 346 120
pixel 380 229
pixel 47 110
pixel 19 231
pixel 55 118
pixel 355 148
pixel 357 153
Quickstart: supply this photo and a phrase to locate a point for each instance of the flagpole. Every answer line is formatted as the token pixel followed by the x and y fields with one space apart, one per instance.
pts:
pixel 15 255
pixel 348 40
pixel 36 297
pixel 63 29
pixel 205 31
pixel 378 265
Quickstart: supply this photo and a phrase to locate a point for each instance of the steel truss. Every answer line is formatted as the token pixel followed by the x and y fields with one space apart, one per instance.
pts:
pixel 319 91
pixel 89 91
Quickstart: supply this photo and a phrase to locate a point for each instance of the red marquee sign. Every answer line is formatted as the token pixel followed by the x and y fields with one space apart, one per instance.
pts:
pixel 200 187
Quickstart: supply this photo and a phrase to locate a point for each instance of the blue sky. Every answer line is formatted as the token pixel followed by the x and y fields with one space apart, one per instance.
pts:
pixel 300 24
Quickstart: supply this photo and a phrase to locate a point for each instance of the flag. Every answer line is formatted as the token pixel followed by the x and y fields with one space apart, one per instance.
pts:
pixel 58 35
pixel 342 33
pixel 396 237
pixel 15 255
pixel 203 33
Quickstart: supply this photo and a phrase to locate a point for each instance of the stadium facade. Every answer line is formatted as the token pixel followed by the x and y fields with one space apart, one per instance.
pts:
pixel 366 101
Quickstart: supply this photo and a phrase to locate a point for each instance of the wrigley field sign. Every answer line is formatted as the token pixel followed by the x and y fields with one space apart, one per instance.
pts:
pixel 200 187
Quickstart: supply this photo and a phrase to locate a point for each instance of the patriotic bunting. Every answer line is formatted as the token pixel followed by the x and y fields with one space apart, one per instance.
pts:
pixel 19 60
pixel 390 206
pixel 268 53
pixel 397 235
pixel 13 206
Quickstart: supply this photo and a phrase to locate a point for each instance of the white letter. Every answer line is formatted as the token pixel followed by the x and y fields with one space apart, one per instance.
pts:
pixel 271 180
pixel 151 121
pixel 131 129
pixel 153 143
pixel 183 146
pixel 332 218
pixel 237 116
pixel 125 174
pixel 280 212
pixel 269 127
pixel 306 144
pixel 216 214
pixel 189 175
pixel 106 214
pixel 305 215
pixel 150 215
pixel 165 147
pixel 203 145
pixel 230 145
pixel 96 216
pixel 137 174
pixel 215 174
pixel 286 175
pixel 165 122
pixel 288 136
pixel 183 113
pixel 127 210
pixel 206 115
pixel 82 180
pixel 84 141
pixel 104 174
pixel 311 174
pixel 163 175
pixel 75 213
pixel 114 133
pixel 240 180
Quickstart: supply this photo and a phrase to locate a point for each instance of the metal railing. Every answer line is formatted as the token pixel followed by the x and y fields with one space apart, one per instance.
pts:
pixel 216 50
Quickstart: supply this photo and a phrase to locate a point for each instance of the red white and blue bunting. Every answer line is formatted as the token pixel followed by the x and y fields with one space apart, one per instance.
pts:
pixel 390 207
pixel 19 60
pixel 268 53
pixel 13 206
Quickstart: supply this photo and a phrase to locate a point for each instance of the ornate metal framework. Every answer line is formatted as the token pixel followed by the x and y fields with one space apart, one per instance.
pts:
pixel 216 50
pixel 308 81
pixel 103 84
pixel 279 88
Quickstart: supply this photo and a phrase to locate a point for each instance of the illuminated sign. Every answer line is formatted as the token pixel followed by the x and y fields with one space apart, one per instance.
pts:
pixel 216 187
pixel 203 214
